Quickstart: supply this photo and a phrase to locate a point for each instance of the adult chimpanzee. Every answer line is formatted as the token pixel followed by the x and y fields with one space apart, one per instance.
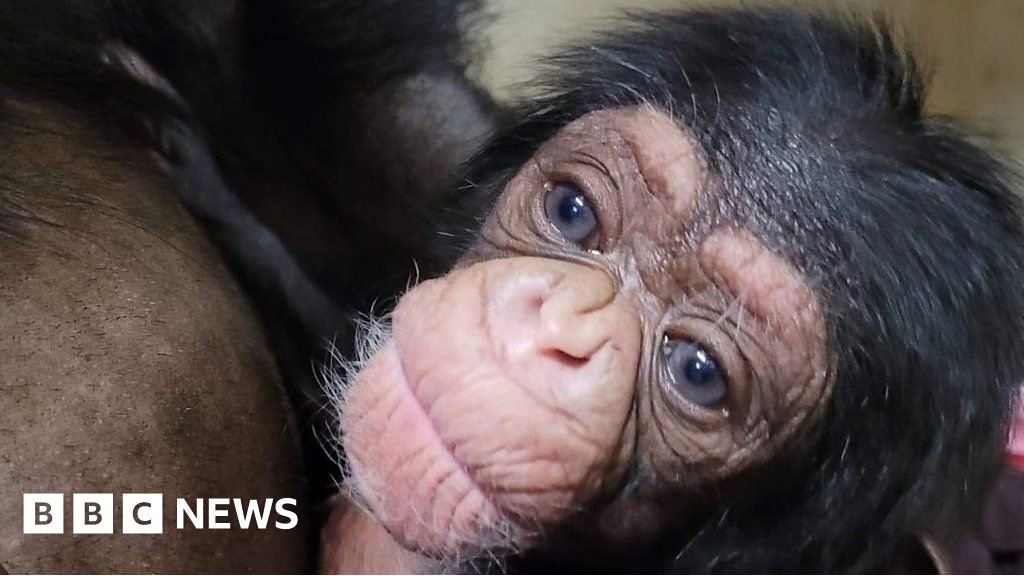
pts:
pixel 736 303
pixel 131 359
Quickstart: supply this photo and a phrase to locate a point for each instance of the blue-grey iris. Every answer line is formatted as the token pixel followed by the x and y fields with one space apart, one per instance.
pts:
pixel 570 212
pixel 695 372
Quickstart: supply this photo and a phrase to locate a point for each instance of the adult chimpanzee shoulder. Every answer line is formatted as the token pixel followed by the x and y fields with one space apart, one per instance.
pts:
pixel 131 361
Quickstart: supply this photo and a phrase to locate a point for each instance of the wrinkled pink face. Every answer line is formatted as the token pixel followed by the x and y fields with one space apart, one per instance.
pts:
pixel 601 384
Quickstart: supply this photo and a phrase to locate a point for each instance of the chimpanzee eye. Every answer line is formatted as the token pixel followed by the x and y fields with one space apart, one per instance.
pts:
pixel 695 372
pixel 570 212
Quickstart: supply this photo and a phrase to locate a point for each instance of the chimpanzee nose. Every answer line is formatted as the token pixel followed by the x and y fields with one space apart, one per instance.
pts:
pixel 541 309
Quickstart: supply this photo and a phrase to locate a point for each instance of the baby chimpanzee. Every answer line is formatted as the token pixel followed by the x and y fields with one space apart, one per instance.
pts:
pixel 725 299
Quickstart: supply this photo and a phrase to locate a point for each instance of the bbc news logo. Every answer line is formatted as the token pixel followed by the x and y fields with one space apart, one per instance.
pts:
pixel 144 513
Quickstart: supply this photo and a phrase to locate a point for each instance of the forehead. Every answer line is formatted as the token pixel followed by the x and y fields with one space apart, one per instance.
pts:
pixel 665 225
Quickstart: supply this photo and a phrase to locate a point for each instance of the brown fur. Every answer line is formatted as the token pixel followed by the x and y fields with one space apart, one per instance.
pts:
pixel 131 362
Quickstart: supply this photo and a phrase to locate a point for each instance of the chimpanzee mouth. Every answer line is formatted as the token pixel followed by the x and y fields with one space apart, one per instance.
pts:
pixel 418 489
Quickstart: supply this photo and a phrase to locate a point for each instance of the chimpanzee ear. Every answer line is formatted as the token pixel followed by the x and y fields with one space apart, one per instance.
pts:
pixel 920 554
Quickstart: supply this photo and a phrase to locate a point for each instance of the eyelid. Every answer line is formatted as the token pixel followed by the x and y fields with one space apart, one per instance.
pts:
pixel 598 244
pixel 710 348
pixel 716 338
pixel 595 181
pixel 721 406
pixel 595 162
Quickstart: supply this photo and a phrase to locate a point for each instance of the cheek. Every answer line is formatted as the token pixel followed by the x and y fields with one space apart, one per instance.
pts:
pixel 500 403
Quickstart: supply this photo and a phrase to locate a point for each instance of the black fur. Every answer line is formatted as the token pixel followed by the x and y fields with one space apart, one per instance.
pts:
pixel 816 140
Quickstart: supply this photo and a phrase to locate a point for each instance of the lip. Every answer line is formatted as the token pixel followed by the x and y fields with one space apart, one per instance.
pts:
pixel 409 390
pixel 406 478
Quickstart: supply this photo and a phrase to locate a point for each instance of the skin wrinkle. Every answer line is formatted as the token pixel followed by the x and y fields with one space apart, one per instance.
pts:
pixel 682 446
pixel 528 459
pixel 653 170
pixel 759 369
pixel 595 162
pixel 483 524
pixel 460 499
pixel 464 499
pixel 413 461
pixel 703 306
pixel 791 395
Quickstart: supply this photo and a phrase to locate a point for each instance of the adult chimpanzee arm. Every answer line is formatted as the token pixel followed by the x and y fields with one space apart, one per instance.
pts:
pixel 262 260
pixel 374 118
pixel 371 112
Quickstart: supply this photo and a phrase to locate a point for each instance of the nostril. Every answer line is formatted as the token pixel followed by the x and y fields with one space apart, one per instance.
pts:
pixel 535 302
pixel 564 358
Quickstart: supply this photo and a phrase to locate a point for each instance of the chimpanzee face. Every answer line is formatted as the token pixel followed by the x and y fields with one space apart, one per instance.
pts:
pixel 598 335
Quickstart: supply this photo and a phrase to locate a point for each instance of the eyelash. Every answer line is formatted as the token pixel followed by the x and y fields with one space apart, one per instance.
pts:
pixel 591 241
pixel 728 364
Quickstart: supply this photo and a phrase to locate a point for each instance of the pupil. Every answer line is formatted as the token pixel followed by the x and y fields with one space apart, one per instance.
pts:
pixel 572 208
pixel 569 210
pixel 695 373
pixel 700 369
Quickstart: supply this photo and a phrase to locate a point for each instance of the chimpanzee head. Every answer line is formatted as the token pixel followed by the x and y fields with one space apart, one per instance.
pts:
pixel 736 303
